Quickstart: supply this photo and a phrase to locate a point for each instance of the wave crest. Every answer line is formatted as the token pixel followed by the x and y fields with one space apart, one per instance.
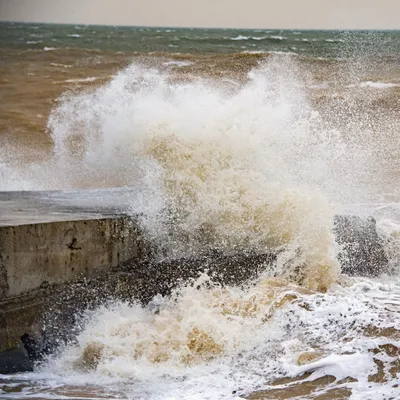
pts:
pixel 215 167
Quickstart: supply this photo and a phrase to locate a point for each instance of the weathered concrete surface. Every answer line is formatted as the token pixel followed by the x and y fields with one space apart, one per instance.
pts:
pixel 22 208
pixel 35 256
pixel 48 239
pixel 52 253
pixel 18 316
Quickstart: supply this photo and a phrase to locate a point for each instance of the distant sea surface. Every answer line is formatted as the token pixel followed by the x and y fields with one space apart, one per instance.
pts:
pixel 183 40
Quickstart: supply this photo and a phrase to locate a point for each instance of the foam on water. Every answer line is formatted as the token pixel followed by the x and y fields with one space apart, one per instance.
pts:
pixel 378 85
pixel 87 79
pixel 224 343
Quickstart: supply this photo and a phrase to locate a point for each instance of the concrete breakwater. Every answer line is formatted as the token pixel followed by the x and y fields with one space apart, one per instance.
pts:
pixel 62 252
pixel 50 239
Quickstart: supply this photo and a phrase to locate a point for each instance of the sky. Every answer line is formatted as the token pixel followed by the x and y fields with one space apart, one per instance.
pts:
pixel 275 14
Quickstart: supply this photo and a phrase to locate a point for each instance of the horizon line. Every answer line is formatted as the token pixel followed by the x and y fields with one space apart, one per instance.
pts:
pixel 200 27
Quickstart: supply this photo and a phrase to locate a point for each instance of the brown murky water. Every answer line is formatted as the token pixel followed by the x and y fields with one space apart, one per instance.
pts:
pixel 361 101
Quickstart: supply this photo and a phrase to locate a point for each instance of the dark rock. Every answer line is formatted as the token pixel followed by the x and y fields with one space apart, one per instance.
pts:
pixel 15 360
pixel 33 345
pixel 162 277
pixel 362 250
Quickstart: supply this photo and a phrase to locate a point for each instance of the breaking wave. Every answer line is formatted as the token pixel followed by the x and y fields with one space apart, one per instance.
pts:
pixel 227 342
pixel 215 166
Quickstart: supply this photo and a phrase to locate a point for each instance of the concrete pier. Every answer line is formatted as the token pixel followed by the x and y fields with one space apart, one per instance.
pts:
pixel 48 239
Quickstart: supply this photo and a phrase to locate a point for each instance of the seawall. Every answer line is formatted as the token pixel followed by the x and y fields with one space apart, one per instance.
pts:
pixel 49 239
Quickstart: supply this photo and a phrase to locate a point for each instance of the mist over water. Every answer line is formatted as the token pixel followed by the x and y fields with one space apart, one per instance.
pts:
pixel 249 162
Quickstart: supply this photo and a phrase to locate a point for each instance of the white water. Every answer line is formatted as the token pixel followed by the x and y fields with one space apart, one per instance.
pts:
pixel 214 166
pixel 217 166
pixel 211 344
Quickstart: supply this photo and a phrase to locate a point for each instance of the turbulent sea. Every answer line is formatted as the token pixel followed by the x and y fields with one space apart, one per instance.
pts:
pixel 232 140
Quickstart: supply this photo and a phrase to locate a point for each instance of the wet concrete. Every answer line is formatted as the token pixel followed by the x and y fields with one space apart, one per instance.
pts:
pixel 51 239
pixel 21 208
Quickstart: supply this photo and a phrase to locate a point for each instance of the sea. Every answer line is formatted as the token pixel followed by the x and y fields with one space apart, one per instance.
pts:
pixel 236 141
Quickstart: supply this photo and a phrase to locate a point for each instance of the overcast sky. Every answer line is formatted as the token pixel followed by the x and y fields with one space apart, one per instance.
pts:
pixel 306 14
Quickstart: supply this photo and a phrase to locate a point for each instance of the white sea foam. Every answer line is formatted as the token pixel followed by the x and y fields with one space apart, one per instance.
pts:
pixel 225 343
pixel 78 80
pixel 49 48
pixel 176 63
pixel 379 85
pixel 254 52
pixel 277 37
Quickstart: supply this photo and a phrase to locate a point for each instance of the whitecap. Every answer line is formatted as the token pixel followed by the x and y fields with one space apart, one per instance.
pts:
pixel 379 85
pixel 334 40
pixel 241 37
pixel 253 51
pixel 61 65
pixel 178 63
pixel 79 80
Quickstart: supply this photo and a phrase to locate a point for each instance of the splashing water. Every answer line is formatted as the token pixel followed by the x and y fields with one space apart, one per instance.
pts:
pixel 215 166
pixel 225 342
pixel 234 167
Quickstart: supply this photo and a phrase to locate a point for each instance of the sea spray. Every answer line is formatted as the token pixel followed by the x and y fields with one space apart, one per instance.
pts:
pixel 214 166
pixel 216 169
pixel 197 323
pixel 213 342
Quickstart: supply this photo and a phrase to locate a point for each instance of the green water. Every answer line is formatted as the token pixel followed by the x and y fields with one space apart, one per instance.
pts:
pixel 329 44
